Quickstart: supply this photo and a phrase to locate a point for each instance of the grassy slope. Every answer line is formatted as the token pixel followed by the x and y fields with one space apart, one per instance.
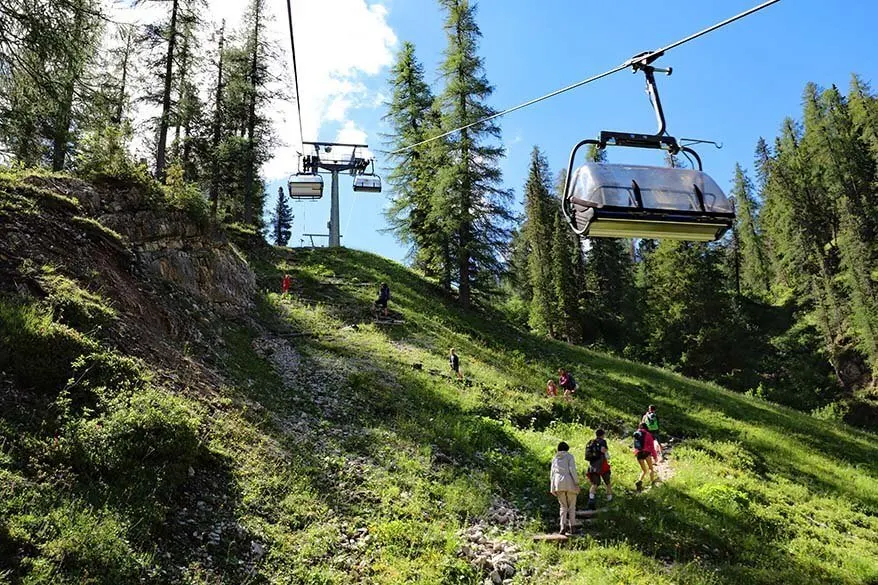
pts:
pixel 213 466
pixel 762 494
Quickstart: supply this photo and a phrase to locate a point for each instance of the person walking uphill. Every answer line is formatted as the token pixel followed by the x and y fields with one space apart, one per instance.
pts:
pixel 564 485
pixel 598 456
pixel 644 452
pixel 650 419
pixel 454 362
pixel 383 298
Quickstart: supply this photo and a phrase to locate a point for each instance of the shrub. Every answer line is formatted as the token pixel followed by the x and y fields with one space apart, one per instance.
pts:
pixel 104 154
pixel 74 305
pixel 185 196
pixel 34 349
pixel 83 547
pixel 145 442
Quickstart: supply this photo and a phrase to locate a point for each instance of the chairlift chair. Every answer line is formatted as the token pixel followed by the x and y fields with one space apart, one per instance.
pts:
pixel 604 200
pixel 368 182
pixel 306 184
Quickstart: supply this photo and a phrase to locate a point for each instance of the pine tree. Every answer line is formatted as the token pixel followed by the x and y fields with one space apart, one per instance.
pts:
pixel 472 201
pixel 281 220
pixel 540 211
pixel 754 269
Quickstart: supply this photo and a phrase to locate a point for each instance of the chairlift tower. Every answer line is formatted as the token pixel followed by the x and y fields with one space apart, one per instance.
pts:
pixel 307 184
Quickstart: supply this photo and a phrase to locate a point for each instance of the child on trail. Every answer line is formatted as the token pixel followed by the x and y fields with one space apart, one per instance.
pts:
pixel 598 456
pixel 454 362
pixel 564 485
pixel 566 381
pixel 551 388
pixel 285 285
pixel 650 419
pixel 383 298
pixel 644 451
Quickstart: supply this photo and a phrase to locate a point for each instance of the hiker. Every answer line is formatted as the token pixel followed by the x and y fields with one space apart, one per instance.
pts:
pixel 285 284
pixel 650 419
pixel 566 381
pixel 454 362
pixel 383 298
pixel 644 451
pixel 551 388
pixel 598 456
pixel 564 485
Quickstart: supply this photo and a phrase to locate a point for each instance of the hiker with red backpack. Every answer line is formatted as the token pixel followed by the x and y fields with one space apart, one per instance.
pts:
pixel 644 452
pixel 598 456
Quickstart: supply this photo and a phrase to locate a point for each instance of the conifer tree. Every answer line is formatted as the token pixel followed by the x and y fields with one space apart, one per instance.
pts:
pixel 754 271
pixel 281 220
pixel 540 212
pixel 410 116
pixel 469 192
pixel 566 257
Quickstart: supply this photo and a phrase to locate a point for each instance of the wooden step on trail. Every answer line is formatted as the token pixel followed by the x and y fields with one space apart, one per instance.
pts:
pixel 556 538
pixel 590 513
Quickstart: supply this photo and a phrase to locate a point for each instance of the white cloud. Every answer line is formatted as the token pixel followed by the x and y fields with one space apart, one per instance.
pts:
pixel 339 45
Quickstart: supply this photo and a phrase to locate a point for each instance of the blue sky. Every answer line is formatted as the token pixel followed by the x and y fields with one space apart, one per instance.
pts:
pixel 732 86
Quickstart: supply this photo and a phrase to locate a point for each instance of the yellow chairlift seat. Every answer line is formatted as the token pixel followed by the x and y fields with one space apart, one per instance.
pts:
pixel 635 201
pixel 308 186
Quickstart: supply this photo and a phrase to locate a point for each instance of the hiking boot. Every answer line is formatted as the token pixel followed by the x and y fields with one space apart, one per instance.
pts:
pixel 639 486
pixel 609 497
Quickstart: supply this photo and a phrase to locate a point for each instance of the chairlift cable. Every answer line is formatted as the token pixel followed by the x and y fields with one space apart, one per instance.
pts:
pixel 625 65
pixel 295 70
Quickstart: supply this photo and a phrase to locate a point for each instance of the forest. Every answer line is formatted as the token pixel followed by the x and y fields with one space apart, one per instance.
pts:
pixel 785 307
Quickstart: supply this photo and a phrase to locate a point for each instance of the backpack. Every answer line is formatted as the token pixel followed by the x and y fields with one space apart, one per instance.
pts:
pixel 638 441
pixel 651 421
pixel 593 451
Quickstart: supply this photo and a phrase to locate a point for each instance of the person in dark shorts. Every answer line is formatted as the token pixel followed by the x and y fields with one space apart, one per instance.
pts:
pixel 644 452
pixel 566 381
pixel 383 298
pixel 454 362
pixel 598 456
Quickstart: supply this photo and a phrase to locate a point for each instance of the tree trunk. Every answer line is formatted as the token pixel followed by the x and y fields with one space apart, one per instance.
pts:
pixel 249 177
pixel 217 129
pixel 161 148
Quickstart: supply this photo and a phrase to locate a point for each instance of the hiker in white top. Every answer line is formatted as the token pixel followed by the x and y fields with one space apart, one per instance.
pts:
pixel 564 485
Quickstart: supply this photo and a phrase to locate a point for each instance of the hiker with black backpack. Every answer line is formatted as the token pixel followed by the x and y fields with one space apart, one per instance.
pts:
pixel 644 452
pixel 598 456
pixel 650 419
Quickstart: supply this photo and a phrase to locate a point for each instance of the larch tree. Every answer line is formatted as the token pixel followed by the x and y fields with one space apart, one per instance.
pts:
pixel 474 204
pixel 409 115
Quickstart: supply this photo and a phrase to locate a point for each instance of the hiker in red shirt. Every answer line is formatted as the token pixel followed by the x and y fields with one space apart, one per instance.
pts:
pixel 551 388
pixel 644 451
pixel 285 284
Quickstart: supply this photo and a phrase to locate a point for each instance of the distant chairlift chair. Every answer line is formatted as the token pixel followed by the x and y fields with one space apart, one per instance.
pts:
pixel 633 201
pixel 306 184
pixel 367 182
